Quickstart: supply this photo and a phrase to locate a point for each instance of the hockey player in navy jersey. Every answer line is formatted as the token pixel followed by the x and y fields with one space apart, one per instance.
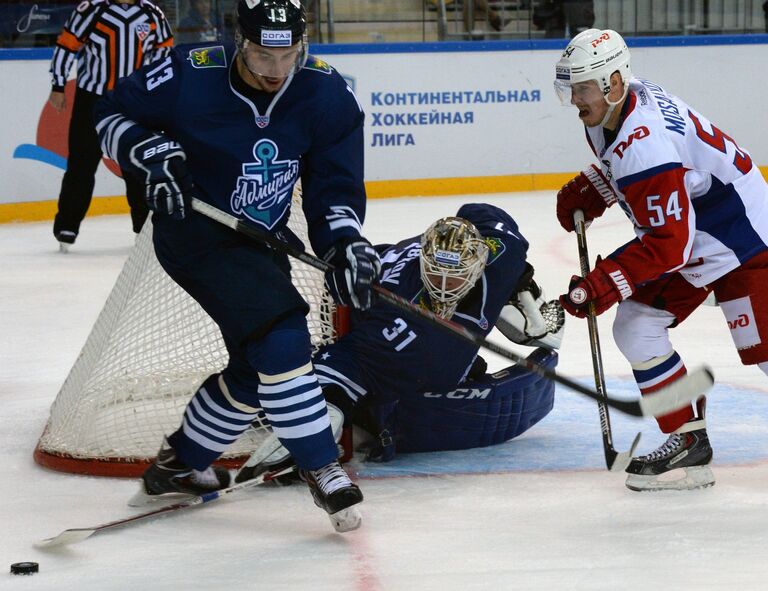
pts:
pixel 237 127
pixel 413 387
pixel 698 206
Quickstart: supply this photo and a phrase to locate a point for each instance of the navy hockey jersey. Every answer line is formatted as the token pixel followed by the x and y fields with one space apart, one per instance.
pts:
pixel 244 157
pixel 390 353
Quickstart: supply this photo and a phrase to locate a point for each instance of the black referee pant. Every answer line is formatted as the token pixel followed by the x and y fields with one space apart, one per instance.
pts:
pixel 80 177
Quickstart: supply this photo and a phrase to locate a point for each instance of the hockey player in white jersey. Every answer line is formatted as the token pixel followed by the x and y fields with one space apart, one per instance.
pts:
pixel 699 207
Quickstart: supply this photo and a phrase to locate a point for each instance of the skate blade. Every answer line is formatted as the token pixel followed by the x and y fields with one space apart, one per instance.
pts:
pixel 142 499
pixel 695 477
pixel 64 247
pixel 348 519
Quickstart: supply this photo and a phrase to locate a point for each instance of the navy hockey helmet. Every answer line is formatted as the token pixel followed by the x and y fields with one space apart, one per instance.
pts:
pixel 272 23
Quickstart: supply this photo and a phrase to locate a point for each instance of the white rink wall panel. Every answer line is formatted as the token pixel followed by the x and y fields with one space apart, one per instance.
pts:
pixel 437 115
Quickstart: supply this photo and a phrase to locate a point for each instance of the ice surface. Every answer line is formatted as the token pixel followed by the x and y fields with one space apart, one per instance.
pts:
pixel 539 512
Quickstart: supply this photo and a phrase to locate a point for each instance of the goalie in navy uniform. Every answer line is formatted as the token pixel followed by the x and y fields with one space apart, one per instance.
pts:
pixel 413 387
pixel 237 127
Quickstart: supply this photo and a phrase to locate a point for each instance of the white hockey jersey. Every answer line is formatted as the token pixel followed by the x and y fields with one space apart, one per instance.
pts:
pixel 698 203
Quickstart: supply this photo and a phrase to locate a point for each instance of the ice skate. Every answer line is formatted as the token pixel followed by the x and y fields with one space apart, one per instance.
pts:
pixel 336 494
pixel 66 239
pixel 169 479
pixel 681 463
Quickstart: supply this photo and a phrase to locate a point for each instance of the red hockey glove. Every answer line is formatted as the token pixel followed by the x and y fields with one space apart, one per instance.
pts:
pixel 605 285
pixel 590 192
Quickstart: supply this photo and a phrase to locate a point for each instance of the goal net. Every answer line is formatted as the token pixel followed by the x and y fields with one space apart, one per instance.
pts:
pixel 149 350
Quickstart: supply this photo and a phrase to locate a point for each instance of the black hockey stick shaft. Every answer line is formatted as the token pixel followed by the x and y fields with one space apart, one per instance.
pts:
pixel 661 403
pixel 614 460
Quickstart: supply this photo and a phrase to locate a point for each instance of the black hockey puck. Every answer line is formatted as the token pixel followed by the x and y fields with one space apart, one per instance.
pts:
pixel 24 568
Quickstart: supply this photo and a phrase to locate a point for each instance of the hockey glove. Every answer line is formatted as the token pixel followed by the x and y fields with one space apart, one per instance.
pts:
pixel 590 192
pixel 356 266
pixel 528 319
pixel 605 285
pixel 161 162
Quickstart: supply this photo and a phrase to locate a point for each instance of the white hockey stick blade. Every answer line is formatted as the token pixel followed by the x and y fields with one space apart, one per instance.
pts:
pixel 78 534
pixel 622 459
pixel 68 536
pixel 271 451
pixel 679 393
pixel 271 446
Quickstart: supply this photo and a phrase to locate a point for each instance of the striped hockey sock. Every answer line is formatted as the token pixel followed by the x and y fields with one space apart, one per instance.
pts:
pixel 656 373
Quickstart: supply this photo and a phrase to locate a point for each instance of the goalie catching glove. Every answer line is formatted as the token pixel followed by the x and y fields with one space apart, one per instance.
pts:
pixel 356 266
pixel 161 163
pixel 590 192
pixel 530 320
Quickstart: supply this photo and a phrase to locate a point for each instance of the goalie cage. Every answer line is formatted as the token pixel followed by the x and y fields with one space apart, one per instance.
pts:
pixel 149 350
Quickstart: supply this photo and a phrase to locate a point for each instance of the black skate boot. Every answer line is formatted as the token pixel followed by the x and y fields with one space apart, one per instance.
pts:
pixel 336 494
pixel 689 451
pixel 169 479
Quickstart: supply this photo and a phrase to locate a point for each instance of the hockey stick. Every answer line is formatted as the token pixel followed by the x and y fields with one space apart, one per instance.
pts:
pixel 78 534
pixel 675 396
pixel 614 461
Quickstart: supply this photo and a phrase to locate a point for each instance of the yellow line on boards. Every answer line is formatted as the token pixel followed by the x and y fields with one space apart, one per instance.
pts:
pixel 33 211
pixel 466 185
pixel 36 211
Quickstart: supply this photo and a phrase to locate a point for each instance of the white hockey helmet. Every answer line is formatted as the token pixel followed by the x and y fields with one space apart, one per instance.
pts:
pixel 593 54
pixel 453 257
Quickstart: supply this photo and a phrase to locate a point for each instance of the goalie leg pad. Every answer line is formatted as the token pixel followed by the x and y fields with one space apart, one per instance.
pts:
pixel 477 414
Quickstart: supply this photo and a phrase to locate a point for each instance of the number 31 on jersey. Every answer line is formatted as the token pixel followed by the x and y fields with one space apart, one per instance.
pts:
pixel 395 334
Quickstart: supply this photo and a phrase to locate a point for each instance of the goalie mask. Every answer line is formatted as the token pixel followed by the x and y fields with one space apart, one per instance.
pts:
pixel 271 35
pixel 453 257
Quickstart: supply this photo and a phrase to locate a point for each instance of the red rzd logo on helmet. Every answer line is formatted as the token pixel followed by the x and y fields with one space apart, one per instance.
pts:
pixel 604 37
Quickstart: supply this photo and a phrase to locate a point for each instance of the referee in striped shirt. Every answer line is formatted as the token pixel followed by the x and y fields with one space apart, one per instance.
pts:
pixel 110 40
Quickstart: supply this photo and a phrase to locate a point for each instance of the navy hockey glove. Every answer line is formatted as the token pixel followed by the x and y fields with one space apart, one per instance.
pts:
pixel 161 162
pixel 356 266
